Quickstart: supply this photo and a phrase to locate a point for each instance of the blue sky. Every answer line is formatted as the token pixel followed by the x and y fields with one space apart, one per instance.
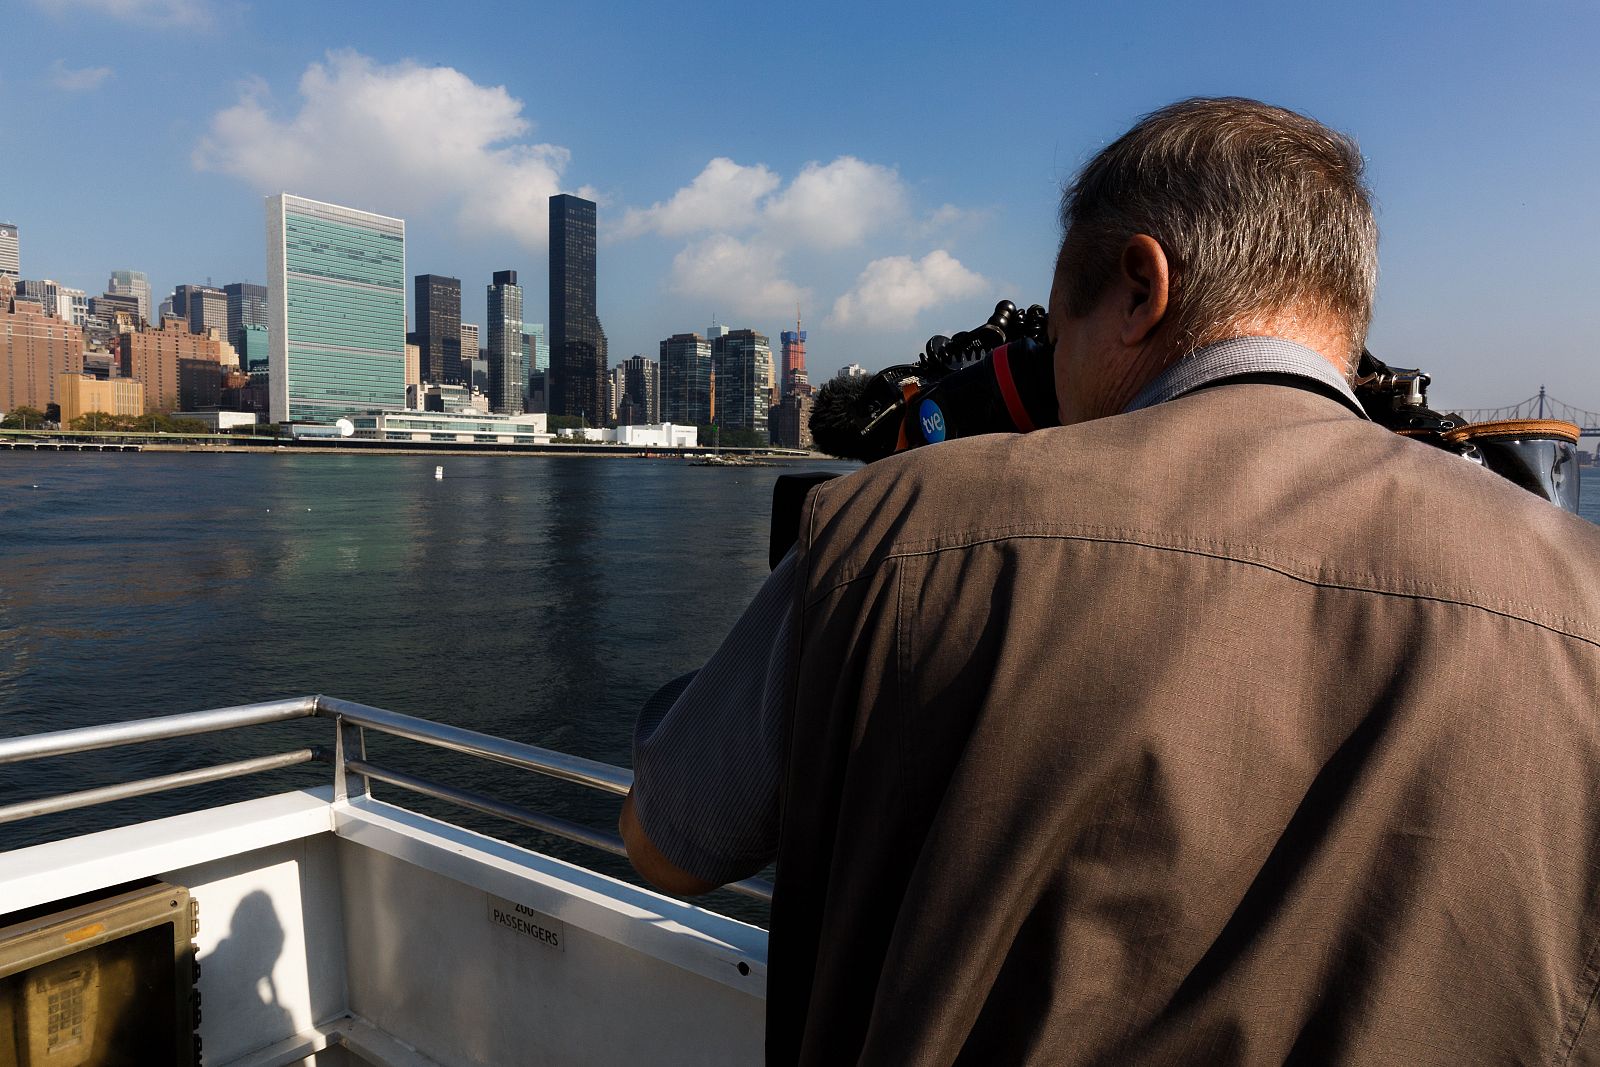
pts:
pixel 893 168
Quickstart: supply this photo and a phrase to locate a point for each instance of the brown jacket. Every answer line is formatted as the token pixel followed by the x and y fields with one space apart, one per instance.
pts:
pixel 1236 730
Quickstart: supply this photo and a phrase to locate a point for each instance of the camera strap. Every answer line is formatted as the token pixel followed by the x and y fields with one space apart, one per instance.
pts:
pixel 1007 383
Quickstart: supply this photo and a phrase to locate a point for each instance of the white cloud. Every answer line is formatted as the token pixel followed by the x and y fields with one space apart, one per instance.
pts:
pixel 839 204
pixel 725 196
pixel 155 12
pixel 745 277
pixel 400 138
pixel 948 220
pixel 829 206
pixel 892 291
pixel 77 80
pixel 750 222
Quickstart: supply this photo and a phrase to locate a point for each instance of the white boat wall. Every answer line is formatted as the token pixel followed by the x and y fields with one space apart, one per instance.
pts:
pixel 335 928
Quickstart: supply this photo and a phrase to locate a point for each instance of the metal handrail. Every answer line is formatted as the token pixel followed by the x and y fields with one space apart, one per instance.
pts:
pixel 348 759
pixel 587 772
pixel 184 724
pixel 88 798
pixel 757 888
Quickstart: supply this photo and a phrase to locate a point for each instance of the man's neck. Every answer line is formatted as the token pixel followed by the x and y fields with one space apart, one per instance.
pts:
pixel 1313 331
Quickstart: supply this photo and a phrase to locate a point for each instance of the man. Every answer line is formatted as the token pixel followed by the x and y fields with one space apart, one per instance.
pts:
pixel 1218 725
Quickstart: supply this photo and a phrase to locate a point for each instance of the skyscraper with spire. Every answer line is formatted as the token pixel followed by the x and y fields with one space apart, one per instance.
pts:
pixel 794 381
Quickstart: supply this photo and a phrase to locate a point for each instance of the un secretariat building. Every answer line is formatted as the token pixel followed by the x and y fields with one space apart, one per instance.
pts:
pixel 337 307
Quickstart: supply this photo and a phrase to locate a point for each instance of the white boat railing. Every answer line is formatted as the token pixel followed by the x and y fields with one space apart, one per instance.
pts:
pixel 352 771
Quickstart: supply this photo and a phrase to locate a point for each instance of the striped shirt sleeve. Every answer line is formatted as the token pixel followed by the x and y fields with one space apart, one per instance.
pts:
pixel 708 772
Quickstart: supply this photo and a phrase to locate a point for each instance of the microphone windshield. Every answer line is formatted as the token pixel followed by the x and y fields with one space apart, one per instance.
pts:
pixel 838 415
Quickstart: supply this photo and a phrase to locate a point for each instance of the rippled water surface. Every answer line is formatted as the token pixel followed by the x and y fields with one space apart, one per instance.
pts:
pixel 536 599
pixel 540 599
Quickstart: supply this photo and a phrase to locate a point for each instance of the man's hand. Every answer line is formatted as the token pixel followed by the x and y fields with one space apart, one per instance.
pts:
pixel 652 866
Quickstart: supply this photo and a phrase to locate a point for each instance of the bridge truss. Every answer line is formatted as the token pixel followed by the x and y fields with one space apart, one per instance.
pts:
pixel 1540 405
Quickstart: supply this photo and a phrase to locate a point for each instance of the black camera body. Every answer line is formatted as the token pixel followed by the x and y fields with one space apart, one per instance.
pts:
pixel 1000 378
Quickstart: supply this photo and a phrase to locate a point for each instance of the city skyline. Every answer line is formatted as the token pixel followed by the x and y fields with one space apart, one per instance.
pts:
pixel 891 199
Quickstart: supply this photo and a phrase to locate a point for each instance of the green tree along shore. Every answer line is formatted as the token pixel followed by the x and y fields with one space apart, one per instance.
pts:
pixel 710 435
pixel 23 418
pixel 557 423
pixel 31 418
pixel 100 422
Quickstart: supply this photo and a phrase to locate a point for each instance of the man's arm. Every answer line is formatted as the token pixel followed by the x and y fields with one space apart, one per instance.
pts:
pixel 652 866
pixel 703 810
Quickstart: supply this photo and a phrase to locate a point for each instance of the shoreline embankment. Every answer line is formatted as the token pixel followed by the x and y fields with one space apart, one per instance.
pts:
pixel 398 448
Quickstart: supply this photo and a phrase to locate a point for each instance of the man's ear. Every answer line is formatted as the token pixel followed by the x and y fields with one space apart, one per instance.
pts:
pixel 1145 280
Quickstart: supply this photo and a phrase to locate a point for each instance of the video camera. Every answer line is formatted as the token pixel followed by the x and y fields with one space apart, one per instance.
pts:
pixel 1000 378
pixel 997 378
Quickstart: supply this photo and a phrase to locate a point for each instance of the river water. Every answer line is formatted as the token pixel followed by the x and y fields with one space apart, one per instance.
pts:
pixel 540 599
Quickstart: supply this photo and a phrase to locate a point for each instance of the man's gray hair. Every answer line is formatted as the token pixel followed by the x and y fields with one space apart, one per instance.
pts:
pixel 1259 210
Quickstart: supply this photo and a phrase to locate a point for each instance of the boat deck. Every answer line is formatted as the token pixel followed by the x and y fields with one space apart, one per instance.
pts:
pixel 344 929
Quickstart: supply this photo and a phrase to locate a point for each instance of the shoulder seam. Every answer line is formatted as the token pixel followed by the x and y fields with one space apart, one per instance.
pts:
pixel 1212 549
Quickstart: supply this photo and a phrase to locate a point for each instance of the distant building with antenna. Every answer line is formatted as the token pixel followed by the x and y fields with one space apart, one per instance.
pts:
pixel 794 381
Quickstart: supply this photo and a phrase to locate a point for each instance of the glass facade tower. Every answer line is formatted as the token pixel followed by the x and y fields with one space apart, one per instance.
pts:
pixel 578 355
pixel 639 400
pixel 437 311
pixel 337 301
pixel 535 347
pixel 742 360
pixel 686 380
pixel 508 374
pixel 247 306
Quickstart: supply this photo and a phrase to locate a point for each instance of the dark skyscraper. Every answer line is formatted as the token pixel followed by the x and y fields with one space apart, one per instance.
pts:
pixel 247 306
pixel 742 360
pixel 437 307
pixel 577 342
pixel 508 375
pixel 640 402
pixel 686 379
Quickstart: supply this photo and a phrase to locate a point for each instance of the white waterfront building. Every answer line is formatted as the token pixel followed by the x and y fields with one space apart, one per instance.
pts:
pixel 460 427
pixel 221 421
pixel 655 435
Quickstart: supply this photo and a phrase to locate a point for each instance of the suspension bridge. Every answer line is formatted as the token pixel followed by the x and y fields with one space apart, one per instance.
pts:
pixel 1540 405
